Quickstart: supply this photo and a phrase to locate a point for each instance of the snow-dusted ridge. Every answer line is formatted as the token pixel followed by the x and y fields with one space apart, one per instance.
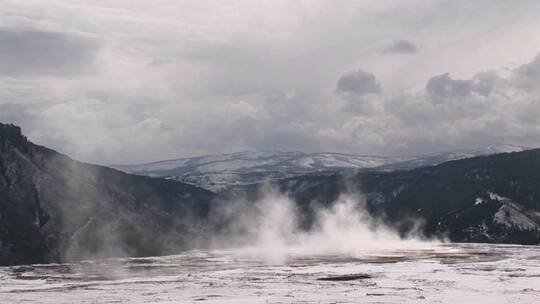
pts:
pixel 215 172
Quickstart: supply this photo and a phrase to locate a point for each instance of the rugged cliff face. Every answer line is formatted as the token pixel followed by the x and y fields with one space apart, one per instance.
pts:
pixel 53 208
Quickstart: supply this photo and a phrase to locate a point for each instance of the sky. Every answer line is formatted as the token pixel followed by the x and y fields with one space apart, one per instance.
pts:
pixel 129 81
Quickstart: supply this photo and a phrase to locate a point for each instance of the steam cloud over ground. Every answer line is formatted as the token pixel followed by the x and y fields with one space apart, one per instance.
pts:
pixel 271 229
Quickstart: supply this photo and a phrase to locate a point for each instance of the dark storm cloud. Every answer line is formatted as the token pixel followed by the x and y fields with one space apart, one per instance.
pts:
pixel 442 88
pixel 531 69
pixel 29 52
pixel 359 83
pixel 528 75
pixel 401 46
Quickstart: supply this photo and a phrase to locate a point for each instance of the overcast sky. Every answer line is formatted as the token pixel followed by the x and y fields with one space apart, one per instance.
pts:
pixel 134 81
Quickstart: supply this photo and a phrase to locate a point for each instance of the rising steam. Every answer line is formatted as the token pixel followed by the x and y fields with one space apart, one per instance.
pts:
pixel 270 229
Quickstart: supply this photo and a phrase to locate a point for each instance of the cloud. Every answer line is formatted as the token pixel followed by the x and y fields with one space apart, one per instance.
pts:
pixel 358 83
pixel 31 52
pixel 527 75
pixel 530 70
pixel 401 47
pixel 127 81
pixel 14 113
pixel 442 87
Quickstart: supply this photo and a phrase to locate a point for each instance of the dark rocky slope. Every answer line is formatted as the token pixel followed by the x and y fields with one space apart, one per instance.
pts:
pixel 483 199
pixel 53 208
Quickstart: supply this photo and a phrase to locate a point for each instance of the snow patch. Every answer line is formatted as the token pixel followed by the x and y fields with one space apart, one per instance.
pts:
pixel 512 216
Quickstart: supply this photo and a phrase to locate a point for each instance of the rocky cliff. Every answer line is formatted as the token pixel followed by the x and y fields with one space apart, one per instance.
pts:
pixel 53 208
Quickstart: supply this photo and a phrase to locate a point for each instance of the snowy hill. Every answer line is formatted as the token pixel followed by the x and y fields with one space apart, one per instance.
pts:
pixel 217 172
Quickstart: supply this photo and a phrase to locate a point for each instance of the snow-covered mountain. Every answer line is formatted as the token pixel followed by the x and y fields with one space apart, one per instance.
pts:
pixel 217 172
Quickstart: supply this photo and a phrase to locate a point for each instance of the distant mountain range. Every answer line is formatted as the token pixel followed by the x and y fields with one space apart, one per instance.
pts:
pixel 219 172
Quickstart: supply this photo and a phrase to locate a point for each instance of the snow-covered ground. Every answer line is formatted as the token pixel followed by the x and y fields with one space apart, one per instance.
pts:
pixel 434 273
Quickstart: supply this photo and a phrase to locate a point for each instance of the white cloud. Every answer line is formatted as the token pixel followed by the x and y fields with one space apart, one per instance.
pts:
pixel 178 78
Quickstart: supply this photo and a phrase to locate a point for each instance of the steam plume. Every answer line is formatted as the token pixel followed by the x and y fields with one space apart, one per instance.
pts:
pixel 270 229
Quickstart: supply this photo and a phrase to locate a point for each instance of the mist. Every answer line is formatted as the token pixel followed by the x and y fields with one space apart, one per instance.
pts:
pixel 272 229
